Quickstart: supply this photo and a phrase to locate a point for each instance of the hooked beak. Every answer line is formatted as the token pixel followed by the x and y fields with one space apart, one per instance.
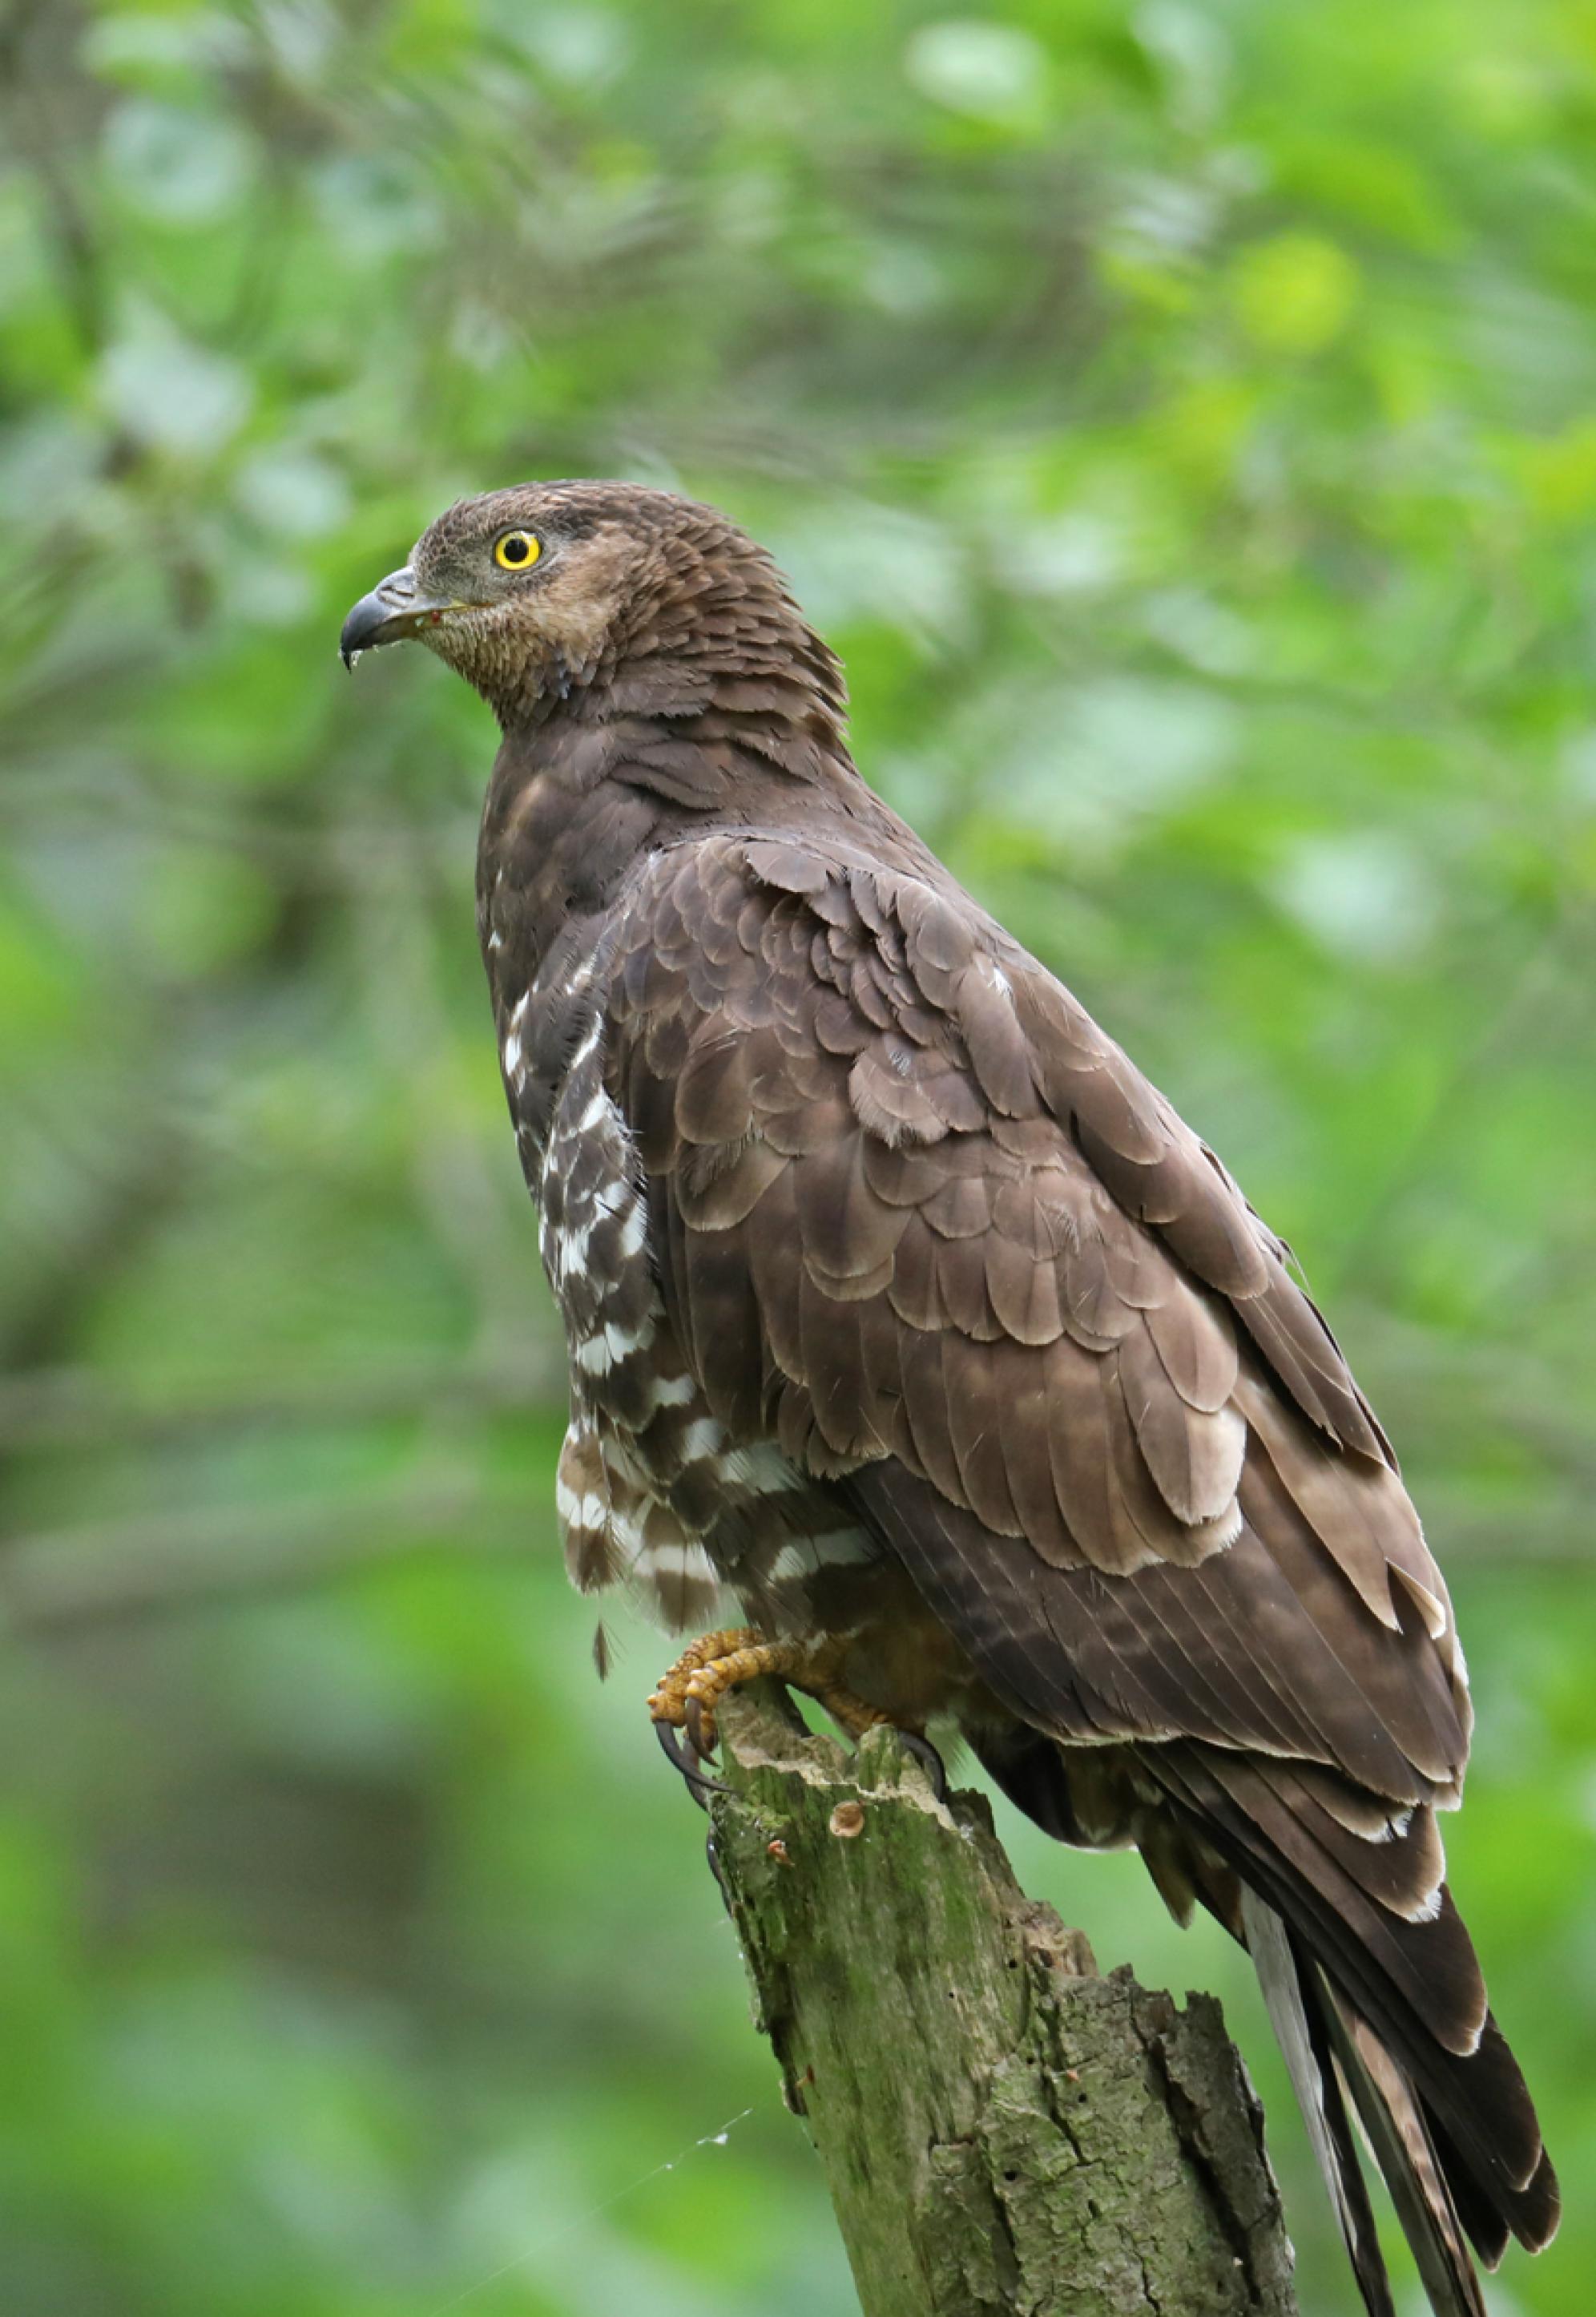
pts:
pixel 394 609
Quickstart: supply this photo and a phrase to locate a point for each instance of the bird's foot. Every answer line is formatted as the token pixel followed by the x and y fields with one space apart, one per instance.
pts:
pixel 686 1696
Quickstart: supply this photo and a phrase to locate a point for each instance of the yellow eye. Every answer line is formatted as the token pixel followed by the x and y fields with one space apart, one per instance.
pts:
pixel 517 550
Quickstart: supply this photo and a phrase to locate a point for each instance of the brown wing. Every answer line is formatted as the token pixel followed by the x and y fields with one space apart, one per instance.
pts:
pixel 920 1221
pixel 916 1206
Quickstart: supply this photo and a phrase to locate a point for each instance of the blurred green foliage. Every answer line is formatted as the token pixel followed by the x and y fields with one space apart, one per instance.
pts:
pixel 1183 418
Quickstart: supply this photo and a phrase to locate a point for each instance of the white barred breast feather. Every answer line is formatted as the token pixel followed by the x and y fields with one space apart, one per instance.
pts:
pixel 616 1532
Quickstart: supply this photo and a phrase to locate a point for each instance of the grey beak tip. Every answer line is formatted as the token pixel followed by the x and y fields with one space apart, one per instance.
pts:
pixel 387 613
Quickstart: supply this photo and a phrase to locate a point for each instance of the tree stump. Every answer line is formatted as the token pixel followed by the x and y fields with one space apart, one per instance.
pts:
pixel 1006 2133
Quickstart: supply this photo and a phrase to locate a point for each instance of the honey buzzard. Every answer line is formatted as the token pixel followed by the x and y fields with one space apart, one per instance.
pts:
pixel 904 1313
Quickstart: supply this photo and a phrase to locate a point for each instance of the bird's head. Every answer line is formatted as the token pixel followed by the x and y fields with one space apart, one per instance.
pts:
pixel 546 590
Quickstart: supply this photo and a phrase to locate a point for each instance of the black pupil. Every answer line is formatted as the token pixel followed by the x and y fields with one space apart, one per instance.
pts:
pixel 515 550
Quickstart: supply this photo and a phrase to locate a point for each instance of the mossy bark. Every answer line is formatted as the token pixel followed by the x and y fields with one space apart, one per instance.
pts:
pixel 1005 2134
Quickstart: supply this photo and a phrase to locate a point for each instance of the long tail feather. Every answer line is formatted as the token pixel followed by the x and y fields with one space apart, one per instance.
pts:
pixel 1405 2154
pixel 1297 2013
pixel 1403 2013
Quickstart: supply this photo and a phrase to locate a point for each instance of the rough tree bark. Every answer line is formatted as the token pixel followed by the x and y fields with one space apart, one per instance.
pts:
pixel 1005 2134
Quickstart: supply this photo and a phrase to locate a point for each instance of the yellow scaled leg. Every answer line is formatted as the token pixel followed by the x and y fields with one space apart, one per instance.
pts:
pixel 667 1699
pixel 847 1711
pixel 686 1696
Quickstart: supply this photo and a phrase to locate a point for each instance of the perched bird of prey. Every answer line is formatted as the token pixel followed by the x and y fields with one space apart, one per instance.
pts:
pixel 903 1312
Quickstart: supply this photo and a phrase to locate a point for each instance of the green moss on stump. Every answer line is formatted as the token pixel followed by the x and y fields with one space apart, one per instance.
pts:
pixel 1005 2134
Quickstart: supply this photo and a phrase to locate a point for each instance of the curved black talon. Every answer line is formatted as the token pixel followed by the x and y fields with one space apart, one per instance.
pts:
pixel 929 1759
pixel 694 1711
pixel 698 1785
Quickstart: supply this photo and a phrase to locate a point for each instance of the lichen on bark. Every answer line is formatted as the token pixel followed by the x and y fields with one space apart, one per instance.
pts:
pixel 1005 2132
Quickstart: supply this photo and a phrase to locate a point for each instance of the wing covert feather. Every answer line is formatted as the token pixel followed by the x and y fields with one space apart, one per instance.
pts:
pixel 918 1215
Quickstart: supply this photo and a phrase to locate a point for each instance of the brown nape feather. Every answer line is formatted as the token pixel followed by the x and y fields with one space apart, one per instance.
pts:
pixel 905 1314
